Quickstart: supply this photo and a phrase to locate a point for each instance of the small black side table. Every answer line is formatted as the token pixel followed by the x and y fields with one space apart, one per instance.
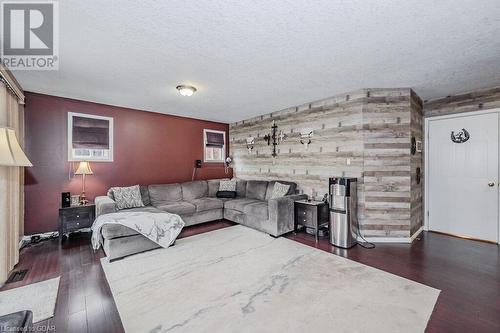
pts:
pixel 75 218
pixel 311 214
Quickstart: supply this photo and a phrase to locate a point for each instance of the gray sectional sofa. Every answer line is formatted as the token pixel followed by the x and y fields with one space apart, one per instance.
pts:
pixel 196 202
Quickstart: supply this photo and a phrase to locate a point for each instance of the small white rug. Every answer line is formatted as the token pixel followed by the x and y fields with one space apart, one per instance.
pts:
pixel 39 297
pixel 240 280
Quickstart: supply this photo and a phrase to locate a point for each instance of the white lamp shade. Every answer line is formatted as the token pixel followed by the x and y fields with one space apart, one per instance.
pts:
pixel 84 169
pixel 11 153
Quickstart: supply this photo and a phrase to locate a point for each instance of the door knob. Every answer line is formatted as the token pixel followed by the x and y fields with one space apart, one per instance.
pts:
pixel 491 184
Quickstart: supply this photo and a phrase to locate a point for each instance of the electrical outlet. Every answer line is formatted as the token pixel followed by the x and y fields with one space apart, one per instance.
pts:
pixel 348 161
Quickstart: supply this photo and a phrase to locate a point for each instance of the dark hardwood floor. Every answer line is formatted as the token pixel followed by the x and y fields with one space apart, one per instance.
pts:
pixel 467 272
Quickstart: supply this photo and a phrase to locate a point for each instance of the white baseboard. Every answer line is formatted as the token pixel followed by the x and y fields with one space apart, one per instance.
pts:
pixel 405 240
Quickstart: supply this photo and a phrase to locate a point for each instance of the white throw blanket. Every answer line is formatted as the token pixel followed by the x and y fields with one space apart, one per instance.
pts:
pixel 161 228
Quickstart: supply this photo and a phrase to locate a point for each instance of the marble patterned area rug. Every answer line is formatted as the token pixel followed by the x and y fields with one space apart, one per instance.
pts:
pixel 240 280
pixel 38 297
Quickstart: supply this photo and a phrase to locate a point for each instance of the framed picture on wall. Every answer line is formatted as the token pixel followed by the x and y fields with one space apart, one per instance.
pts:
pixel 90 138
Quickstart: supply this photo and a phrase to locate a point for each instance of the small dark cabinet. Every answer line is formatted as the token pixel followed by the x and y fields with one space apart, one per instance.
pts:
pixel 75 218
pixel 311 214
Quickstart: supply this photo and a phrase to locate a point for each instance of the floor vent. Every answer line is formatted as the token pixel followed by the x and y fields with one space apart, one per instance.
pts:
pixel 17 276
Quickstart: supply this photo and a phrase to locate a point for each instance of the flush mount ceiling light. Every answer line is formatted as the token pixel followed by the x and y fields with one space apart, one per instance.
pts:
pixel 186 90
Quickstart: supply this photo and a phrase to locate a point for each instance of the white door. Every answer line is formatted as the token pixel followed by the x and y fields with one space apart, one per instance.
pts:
pixel 463 177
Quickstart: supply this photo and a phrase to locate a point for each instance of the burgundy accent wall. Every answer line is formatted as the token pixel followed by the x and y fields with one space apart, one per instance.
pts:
pixel 149 148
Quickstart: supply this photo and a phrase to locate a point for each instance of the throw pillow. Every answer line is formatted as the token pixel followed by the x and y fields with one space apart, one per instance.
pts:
pixel 279 190
pixel 227 185
pixel 144 194
pixel 226 194
pixel 128 197
pixel 110 193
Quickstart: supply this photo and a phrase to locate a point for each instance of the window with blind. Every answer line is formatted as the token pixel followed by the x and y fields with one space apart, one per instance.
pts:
pixel 90 138
pixel 214 144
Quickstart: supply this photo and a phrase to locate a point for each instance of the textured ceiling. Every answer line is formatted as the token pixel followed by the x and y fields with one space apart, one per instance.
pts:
pixel 253 57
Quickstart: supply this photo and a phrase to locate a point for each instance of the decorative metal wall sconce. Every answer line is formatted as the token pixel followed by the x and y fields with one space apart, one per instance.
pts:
pixel 460 137
pixel 275 138
pixel 250 144
pixel 305 137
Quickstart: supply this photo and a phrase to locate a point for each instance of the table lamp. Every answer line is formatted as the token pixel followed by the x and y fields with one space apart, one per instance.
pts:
pixel 83 169
pixel 11 153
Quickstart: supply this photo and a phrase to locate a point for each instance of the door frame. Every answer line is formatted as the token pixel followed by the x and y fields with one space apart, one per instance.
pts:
pixel 427 122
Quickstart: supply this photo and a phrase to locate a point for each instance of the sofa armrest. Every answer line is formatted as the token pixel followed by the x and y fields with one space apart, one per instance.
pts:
pixel 282 213
pixel 104 205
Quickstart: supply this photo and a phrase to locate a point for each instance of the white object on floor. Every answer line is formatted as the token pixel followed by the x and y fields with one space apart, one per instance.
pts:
pixel 38 297
pixel 240 280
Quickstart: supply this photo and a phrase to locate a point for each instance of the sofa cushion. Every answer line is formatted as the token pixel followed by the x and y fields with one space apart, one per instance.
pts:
pixel 194 190
pixel 145 195
pixel 204 204
pixel 256 189
pixel 149 209
pixel 110 231
pixel 213 187
pixel 180 208
pixel 164 193
pixel 270 188
pixel 239 204
pixel 234 215
pixel 257 209
pixel 241 188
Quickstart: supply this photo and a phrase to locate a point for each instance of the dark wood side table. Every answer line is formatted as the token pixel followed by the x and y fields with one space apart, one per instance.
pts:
pixel 311 214
pixel 75 218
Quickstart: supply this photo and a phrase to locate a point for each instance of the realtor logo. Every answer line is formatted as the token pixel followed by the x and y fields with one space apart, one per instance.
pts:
pixel 30 35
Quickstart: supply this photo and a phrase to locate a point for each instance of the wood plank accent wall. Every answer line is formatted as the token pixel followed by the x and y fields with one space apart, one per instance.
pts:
pixel 364 134
pixel 472 101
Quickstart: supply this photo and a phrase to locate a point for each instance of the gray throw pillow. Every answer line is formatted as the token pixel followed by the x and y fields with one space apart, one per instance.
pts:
pixel 110 193
pixel 279 190
pixel 144 194
pixel 227 185
pixel 128 197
